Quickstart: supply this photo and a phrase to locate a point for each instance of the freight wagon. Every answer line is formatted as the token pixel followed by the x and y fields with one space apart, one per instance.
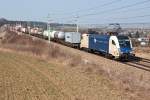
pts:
pixel 72 39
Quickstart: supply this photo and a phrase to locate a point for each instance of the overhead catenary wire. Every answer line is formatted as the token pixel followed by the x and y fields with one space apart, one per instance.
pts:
pixel 115 9
pixel 140 16
pixel 111 10
pixel 130 17
pixel 135 10
pixel 71 14
pixel 131 10
pixel 92 8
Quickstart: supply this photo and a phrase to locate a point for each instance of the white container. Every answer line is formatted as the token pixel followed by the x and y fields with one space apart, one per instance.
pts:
pixel 52 34
pixel 23 30
pixel 73 37
pixel 45 33
pixel 59 35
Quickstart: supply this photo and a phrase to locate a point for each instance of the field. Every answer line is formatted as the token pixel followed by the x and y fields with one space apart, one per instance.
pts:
pixel 28 78
pixel 143 52
pixel 31 69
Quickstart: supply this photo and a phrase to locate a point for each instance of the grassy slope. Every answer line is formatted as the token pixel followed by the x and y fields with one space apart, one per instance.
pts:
pixel 26 78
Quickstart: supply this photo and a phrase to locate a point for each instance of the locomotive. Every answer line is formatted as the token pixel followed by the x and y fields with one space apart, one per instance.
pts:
pixel 112 46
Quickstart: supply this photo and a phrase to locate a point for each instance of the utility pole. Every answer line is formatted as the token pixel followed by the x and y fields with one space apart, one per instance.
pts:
pixel 28 27
pixel 49 27
pixel 49 33
pixel 76 20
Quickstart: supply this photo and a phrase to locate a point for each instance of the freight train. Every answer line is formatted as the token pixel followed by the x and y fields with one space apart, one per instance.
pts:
pixel 117 47
pixel 111 45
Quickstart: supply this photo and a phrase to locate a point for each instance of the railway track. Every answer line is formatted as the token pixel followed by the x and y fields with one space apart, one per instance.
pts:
pixel 140 63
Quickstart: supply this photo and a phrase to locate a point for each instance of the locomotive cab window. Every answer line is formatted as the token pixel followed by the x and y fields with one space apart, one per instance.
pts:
pixel 124 41
pixel 113 42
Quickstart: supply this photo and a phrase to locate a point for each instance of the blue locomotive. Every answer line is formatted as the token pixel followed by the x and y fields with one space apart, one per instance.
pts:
pixel 113 46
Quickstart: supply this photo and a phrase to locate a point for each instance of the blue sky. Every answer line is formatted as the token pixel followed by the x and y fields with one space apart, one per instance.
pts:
pixel 65 10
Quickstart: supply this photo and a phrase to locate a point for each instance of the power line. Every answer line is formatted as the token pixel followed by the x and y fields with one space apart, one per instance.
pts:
pixel 135 10
pixel 141 16
pixel 99 6
pixel 106 11
pixel 124 18
pixel 116 9
pixel 90 9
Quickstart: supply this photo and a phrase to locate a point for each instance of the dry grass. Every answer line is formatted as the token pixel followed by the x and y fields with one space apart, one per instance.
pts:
pixel 28 78
pixel 39 48
pixel 142 49
pixel 42 49
pixel 45 81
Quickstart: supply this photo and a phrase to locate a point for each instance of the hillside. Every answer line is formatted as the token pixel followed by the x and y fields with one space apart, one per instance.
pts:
pixel 28 78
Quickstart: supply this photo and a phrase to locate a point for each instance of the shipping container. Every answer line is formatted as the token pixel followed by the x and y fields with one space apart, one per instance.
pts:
pixel 84 41
pixel 73 37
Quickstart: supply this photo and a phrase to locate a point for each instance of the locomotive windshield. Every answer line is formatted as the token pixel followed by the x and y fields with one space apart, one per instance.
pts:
pixel 124 41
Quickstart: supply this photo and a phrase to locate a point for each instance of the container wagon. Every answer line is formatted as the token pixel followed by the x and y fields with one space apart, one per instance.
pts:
pixel 73 38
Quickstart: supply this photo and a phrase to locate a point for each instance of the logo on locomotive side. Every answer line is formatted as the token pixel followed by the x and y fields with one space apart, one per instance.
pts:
pixel 95 40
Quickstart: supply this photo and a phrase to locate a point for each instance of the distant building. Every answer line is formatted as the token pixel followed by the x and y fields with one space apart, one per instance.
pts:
pixel 144 41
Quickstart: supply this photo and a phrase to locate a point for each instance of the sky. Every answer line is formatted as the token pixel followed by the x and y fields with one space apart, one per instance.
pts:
pixel 88 11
